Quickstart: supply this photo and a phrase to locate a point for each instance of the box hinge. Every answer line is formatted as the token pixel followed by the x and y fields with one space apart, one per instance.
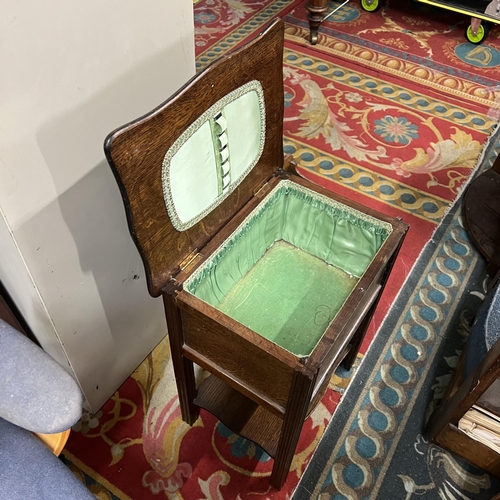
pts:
pixel 262 190
pixel 172 287
pixel 190 259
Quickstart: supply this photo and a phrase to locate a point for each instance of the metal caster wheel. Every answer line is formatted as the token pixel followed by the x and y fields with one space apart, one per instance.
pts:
pixel 479 37
pixel 313 37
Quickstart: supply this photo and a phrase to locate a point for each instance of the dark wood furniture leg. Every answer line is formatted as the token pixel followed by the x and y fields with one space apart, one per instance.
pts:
pixel 496 165
pixel 442 428
pixel 482 215
pixel 315 13
pixel 295 414
pixel 183 367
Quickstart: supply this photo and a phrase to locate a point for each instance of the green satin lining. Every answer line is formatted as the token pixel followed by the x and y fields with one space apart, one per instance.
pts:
pixel 213 155
pixel 334 233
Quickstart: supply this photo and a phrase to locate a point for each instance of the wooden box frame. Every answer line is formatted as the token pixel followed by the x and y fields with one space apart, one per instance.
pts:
pixel 241 362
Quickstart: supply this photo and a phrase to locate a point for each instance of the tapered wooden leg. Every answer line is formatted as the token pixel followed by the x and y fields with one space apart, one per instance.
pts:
pixel 295 414
pixel 183 367
pixel 315 13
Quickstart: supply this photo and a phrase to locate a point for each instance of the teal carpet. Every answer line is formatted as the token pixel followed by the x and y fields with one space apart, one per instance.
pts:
pixel 374 447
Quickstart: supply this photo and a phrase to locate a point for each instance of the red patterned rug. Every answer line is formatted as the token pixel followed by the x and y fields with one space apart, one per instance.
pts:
pixel 222 25
pixel 410 38
pixel 405 137
pixel 404 143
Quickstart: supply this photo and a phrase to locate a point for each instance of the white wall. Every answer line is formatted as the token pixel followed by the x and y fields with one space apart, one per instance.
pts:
pixel 71 72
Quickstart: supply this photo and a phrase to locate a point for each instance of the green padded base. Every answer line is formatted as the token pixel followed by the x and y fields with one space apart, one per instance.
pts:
pixel 288 297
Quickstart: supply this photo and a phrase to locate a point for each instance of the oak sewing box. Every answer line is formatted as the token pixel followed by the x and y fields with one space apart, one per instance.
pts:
pixel 268 281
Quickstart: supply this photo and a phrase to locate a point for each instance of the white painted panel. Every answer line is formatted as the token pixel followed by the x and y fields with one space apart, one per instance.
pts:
pixel 22 289
pixel 71 73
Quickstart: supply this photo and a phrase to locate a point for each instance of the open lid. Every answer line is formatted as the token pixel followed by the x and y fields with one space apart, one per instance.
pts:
pixel 188 166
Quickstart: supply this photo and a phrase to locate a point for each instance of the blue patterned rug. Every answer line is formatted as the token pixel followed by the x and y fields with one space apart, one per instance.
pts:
pixel 374 447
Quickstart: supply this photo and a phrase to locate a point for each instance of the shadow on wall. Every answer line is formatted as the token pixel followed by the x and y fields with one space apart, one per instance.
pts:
pixel 92 279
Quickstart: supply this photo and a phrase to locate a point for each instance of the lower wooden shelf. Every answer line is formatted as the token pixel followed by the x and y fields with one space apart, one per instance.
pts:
pixel 451 438
pixel 240 414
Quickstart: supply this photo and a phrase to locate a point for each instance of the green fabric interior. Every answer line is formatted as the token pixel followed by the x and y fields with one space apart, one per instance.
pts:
pixel 288 269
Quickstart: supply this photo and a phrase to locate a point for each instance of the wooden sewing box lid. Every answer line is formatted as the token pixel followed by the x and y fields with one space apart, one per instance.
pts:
pixel 174 158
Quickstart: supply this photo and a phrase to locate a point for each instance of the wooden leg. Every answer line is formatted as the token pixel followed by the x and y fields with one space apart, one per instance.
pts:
pixel 295 414
pixel 315 13
pixel 441 416
pixel 496 165
pixel 183 367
